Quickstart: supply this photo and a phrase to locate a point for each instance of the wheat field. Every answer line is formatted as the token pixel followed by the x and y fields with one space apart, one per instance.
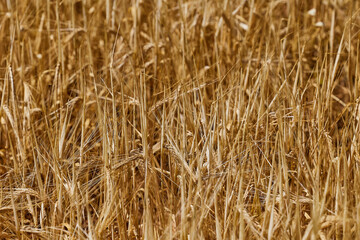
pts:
pixel 166 119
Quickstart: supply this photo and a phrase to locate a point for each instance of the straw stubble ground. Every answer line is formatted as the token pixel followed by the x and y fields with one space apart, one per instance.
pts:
pixel 179 119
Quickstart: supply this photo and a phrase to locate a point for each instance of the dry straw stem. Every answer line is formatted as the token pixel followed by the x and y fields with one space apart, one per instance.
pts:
pixel 165 119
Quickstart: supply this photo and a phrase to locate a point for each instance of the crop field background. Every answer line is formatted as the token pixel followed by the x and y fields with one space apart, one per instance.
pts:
pixel 166 119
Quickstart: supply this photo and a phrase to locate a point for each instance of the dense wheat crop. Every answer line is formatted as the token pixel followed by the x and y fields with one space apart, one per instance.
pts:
pixel 166 119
